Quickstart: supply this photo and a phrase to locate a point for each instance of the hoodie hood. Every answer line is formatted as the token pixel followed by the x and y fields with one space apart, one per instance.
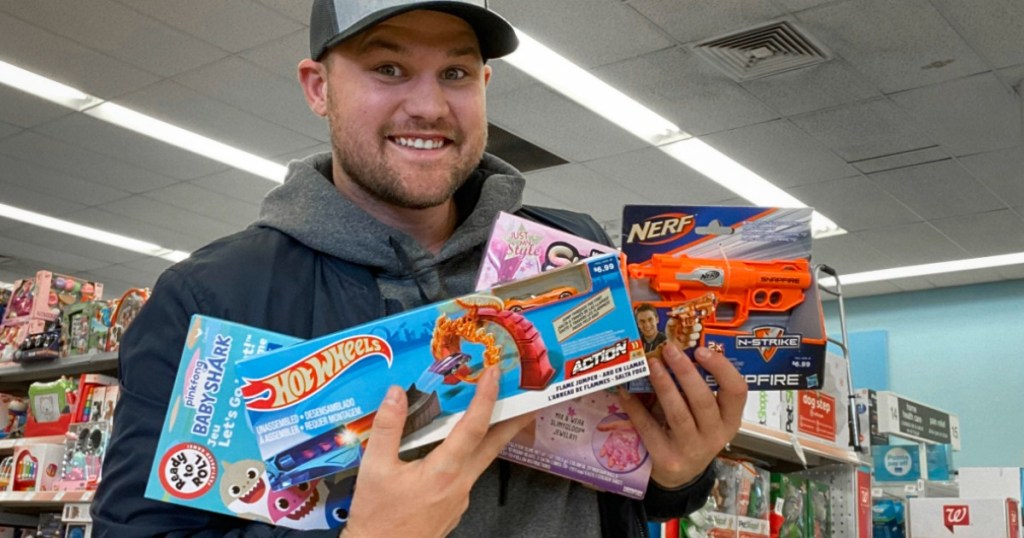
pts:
pixel 309 208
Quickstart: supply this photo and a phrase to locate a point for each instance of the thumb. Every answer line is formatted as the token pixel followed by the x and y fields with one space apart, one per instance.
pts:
pixel 386 432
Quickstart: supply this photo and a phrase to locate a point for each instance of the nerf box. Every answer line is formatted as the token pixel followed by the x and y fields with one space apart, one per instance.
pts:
pixel 556 336
pixel 734 279
pixel 207 456
pixel 964 518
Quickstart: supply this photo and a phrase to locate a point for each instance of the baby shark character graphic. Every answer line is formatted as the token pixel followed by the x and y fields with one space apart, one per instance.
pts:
pixel 294 503
pixel 244 489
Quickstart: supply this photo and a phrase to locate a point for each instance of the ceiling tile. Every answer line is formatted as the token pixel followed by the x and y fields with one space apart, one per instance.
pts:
pixel 171 218
pixel 993 30
pixel 1011 272
pixel 900 160
pixel 7 129
pixel 33 200
pixel 241 84
pixel 569 182
pixel 49 184
pixel 120 32
pixel 912 244
pixel 937 190
pixel 659 178
pixel 151 264
pixel 614 31
pixel 144 152
pixel 139 227
pixel 559 125
pixel 237 184
pixel 964 278
pixel 507 79
pixel 122 273
pixel 21 109
pixel 968 115
pixel 186 108
pixel 985 234
pixel 302 153
pixel 195 199
pixel 855 203
pixel 281 56
pixel 77 246
pixel 113 288
pixel 532 196
pixel 898 45
pixel 71 160
pixel 848 254
pixel 1013 77
pixel 797 5
pixel 869 288
pixel 11 244
pixel 781 153
pixel 65 61
pixel 233 25
pixel 821 86
pixel 298 10
pixel 687 91
pixel 914 283
pixel 1001 171
pixel 693 20
pixel 863 130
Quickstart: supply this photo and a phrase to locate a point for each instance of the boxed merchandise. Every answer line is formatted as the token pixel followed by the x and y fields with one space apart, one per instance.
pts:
pixel 123 312
pixel 964 518
pixel 752 500
pixel 207 456
pixel 52 407
pixel 43 296
pixel 36 466
pixel 902 463
pixel 819 509
pixel 84 447
pixel 867 418
pixel 788 515
pixel 85 327
pixel 981 482
pixel 13 414
pixel 734 279
pixel 77 521
pixel 889 518
pixel 556 336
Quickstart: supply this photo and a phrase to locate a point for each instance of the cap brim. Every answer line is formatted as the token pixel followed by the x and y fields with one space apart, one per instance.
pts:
pixel 496 36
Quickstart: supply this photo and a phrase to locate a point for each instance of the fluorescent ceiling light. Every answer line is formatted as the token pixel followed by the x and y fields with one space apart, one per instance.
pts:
pixel 927 269
pixel 92 234
pixel 41 86
pixel 577 84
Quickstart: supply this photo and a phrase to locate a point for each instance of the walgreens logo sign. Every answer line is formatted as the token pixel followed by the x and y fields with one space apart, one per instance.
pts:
pixel 957 515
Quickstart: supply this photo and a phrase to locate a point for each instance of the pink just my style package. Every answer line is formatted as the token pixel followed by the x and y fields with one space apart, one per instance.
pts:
pixel 588 439
pixel 555 337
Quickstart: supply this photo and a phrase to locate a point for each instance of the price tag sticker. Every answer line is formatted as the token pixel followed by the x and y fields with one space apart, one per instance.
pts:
pixel 876 493
pixel 87 495
pixel 59 495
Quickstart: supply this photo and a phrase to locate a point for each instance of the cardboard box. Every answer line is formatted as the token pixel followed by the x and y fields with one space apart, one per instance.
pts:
pixel 743 273
pixel 311 405
pixel 36 466
pixel 43 296
pixel 964 518
pixel 207 456
pixel 987 482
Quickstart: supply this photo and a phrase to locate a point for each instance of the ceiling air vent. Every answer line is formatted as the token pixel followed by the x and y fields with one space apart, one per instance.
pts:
pixel 762 51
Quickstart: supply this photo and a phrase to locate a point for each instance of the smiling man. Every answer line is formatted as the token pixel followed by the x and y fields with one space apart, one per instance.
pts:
pixel 394 217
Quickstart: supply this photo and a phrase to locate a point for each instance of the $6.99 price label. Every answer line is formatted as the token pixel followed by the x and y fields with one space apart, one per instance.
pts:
pixel 188 470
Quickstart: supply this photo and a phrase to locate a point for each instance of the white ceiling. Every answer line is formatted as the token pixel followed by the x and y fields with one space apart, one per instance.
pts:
pixel 910 137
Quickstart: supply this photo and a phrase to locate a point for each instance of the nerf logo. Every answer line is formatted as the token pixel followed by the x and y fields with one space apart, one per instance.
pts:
pixel 711 276
pixel 767 340
pixel 660 229
pixel 957 515
pixel 307 376
pixel 612 354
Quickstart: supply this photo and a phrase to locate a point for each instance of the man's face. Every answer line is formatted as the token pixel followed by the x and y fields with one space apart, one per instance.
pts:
pixel 647 322
pixel 406 106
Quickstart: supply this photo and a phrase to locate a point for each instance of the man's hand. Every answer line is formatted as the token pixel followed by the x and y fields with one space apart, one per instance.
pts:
pixel 426 497
pixel 698 423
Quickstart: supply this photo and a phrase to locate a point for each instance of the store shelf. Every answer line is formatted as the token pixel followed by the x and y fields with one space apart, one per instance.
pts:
pixel 781 447
pixel 920 488
pixel 43 499
pixel 7 445
pixel 14 376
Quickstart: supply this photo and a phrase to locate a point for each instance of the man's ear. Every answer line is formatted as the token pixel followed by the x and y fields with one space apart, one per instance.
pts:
pixel 487 74
pixel 313 79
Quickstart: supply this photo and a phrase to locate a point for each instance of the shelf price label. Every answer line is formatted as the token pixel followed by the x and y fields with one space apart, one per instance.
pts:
pixel 909 419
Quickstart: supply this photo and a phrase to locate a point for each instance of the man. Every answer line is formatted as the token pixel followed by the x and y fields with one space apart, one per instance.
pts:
pixel 647 323
pixel 394 217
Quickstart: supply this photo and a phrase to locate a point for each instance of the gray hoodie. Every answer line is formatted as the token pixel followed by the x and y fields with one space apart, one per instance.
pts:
pixel 538 504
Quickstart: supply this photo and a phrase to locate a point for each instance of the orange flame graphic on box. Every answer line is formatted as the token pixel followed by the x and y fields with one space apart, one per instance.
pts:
pixel 308 375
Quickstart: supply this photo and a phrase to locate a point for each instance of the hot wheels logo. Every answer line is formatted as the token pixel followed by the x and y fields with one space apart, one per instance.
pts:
pixel 307 376
pixel 957 515
pixel 767 340
pixel 661 229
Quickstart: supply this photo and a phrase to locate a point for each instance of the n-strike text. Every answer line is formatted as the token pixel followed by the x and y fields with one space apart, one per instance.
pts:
pixel 214 376
pixel 306 377
pixel 660 226
pixel 609 355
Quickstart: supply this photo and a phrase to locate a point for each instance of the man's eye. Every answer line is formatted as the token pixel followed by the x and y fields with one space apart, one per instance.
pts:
pixel 453 74
pixel 389 70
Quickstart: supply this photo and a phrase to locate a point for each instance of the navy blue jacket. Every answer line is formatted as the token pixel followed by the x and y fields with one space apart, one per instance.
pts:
pixel 264 278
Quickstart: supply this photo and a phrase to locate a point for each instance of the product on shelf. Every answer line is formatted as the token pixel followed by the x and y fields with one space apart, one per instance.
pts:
pixel 964 518
pixel 85 327
pixel 889 518
pixel 333 385
pixel 36 466
pixel 40 346
pixel 13 414
pixel 85 444
pixel 742 275
pixel 789 497
pixel 819 510
pixel 124 313
pixel 77 521
pixel 902 463
pixel 52 407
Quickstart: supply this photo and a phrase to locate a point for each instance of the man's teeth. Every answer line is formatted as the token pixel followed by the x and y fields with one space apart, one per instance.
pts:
pixel 419 143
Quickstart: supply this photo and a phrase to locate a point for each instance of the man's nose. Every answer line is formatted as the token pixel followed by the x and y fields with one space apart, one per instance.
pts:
pixel 427 99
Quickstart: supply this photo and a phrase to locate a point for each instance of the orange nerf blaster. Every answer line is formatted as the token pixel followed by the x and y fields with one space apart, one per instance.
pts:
pixel 765 286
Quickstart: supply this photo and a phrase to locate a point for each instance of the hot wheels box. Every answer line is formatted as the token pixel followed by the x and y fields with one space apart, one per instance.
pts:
pixel 207 456
pixel 556 336
pixel 735 279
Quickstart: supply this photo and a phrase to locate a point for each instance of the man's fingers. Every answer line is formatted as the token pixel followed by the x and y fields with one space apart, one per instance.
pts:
pixel 732 388
pixel 497 437
pixel 702 403
pixel 676 409
pixel 386 433
pixel 471 429
pixel 647 426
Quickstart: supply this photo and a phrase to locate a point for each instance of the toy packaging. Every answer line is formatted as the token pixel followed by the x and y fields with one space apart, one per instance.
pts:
pixel 52 407
pixel 85 327
pixel 13 414
pixel 36 466
pixel 964 518
pixel 819 510
pixel 555 337
pixel 207 456
pixel 520 248
pixel 84 447
pixel 788 515
pixel 588 439
pixel 123 313
pixel 902 463
pixel 77 521
pixel 734 279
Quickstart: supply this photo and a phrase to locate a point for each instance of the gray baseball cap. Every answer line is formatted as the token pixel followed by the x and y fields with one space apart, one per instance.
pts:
pixel 333 21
